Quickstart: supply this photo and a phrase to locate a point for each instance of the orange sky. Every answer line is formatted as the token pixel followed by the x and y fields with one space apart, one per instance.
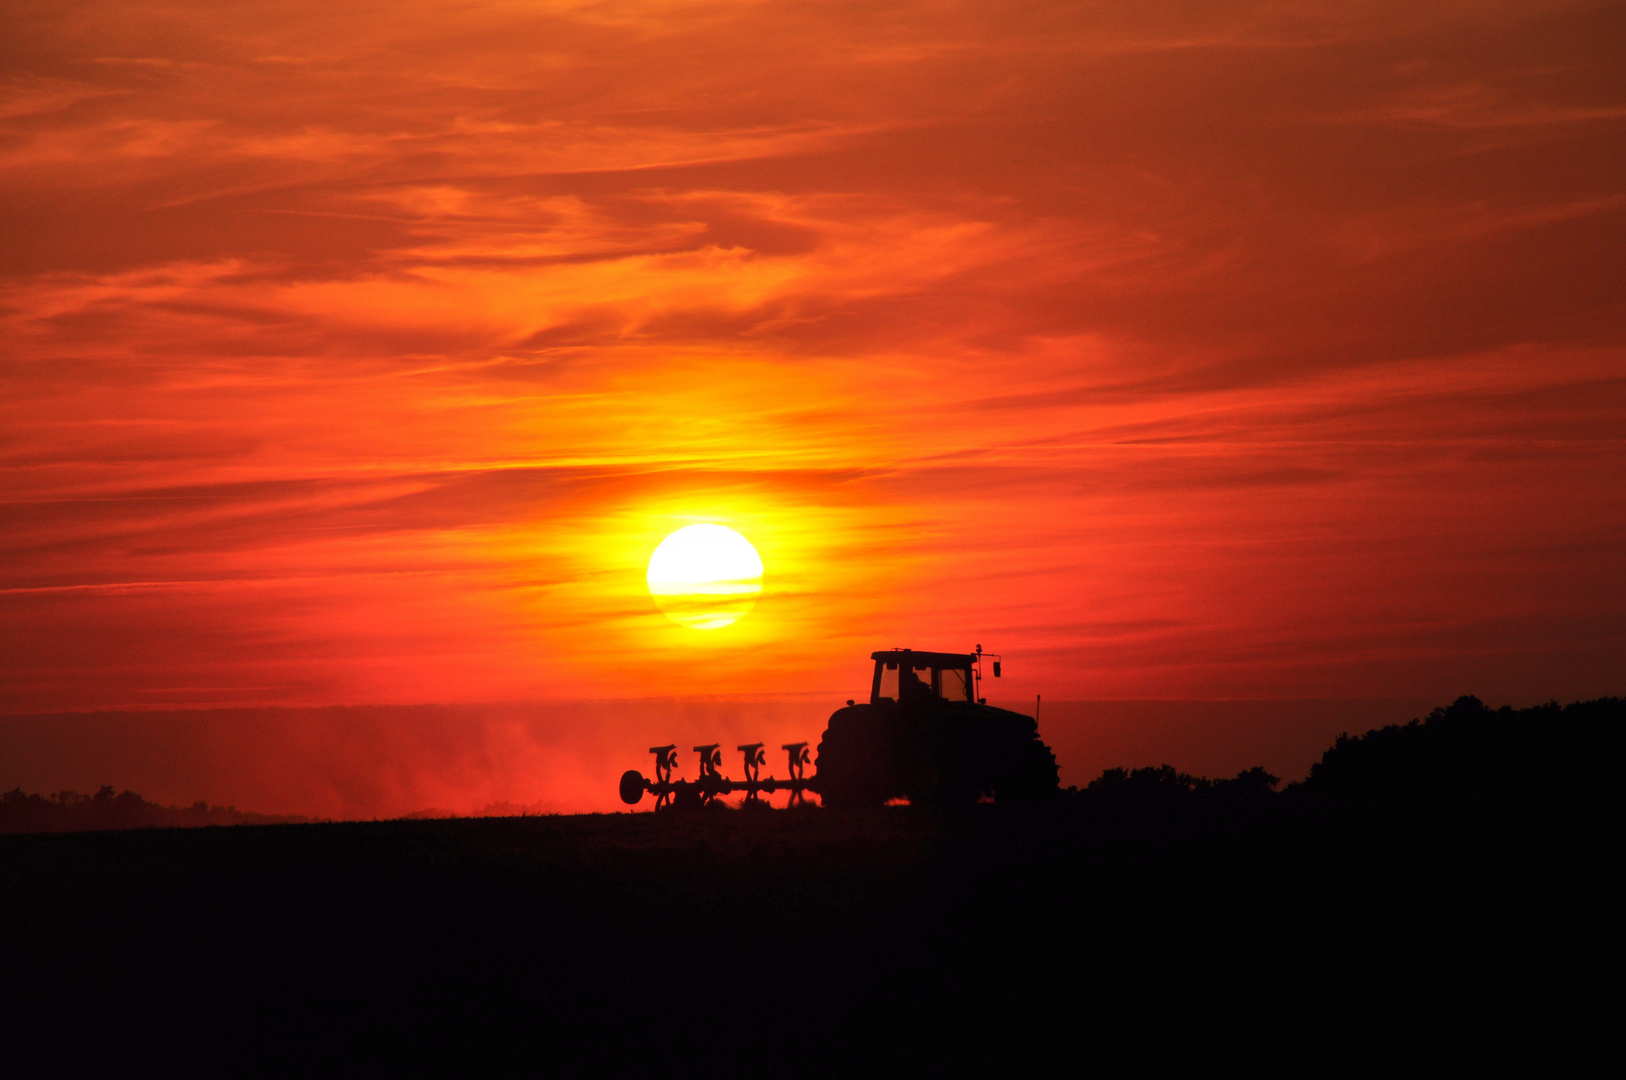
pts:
pixel 361 353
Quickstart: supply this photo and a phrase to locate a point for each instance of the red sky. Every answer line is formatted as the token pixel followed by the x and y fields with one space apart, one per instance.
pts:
pixel 361 353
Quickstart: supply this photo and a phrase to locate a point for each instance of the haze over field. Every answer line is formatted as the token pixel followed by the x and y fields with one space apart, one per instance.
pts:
pixel 362 353
pixel 390 760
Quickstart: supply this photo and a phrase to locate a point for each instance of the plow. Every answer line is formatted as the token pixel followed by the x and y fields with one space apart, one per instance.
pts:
pixel 925 736
pixel 712 784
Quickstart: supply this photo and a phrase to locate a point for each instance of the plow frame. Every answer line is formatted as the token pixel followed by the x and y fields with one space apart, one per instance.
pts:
pixel 711 784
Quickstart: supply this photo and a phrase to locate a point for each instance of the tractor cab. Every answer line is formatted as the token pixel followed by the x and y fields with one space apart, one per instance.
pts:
pixel 905 675
pixel 928 736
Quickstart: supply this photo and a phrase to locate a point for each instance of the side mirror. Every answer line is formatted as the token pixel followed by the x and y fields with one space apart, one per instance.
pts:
pixel 996 669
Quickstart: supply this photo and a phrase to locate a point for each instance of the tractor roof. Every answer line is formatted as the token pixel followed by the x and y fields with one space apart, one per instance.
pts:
pixel 926 659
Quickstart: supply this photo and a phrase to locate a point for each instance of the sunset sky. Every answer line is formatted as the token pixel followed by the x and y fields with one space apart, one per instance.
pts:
pixel 362 353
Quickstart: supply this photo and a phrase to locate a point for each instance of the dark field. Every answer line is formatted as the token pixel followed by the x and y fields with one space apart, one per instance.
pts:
pixel 1137 927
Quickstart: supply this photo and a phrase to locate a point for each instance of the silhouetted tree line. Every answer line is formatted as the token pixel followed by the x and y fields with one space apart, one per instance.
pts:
pixel 1462 751
pixel 70 811
pixel 1163 781
pixel 1469 750
pixel 1160 792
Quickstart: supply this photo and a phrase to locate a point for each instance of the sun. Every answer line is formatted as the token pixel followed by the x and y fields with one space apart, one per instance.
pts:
pixel 705 577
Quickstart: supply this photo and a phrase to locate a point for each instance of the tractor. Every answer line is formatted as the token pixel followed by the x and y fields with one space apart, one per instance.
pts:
pixel 926 736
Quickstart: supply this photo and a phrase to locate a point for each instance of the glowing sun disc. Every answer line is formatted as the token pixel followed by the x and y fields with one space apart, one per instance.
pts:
pixel 705 577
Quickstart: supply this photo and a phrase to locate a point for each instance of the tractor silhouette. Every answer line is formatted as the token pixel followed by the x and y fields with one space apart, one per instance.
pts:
pixel 924 735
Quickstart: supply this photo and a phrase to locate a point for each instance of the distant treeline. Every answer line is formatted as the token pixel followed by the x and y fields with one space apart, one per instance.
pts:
pixel 69 811
pixel 1455 754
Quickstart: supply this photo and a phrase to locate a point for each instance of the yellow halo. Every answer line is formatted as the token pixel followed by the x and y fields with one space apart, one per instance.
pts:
pixel 705 577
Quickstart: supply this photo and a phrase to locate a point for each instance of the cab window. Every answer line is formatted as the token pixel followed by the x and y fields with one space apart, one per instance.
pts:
pixel 888 684
pixel 923 672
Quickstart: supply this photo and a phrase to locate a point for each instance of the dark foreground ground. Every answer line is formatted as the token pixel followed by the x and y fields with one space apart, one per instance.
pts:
pixel 1125 928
